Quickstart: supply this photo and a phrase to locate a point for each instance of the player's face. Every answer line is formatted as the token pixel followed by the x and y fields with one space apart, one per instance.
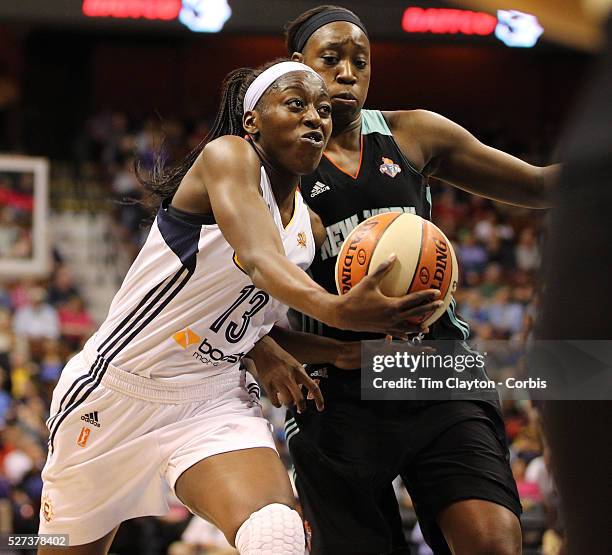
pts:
pixel 340 53
pixel 295 122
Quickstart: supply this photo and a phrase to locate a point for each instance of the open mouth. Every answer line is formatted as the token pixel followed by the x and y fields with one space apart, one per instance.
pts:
pixel 315 138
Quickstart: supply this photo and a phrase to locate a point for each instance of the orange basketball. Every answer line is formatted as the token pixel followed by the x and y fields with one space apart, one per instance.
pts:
pixel 425 257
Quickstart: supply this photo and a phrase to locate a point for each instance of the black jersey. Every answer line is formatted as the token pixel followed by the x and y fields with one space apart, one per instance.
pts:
pixel 385 182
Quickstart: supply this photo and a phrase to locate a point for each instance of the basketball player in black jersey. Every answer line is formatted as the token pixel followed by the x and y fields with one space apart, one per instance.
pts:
pixel 451 456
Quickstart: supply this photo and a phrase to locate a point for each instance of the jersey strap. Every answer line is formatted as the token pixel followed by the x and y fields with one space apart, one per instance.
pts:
pixel 372 121
pixel 180 236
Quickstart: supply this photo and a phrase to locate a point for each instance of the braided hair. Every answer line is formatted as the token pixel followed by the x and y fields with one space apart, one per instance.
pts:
pixel 161 182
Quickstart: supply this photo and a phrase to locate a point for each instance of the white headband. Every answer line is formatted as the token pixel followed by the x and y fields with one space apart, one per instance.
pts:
pixel 267 77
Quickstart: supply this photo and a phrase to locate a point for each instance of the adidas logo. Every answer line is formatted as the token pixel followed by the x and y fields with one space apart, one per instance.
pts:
pixel 319 373
pixel 91 418
pixel 318 189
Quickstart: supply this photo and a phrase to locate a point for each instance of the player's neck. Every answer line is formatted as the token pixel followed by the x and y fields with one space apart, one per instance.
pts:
pixel 285 200
pixel 282 182
pixel 346 135
pixel 283 187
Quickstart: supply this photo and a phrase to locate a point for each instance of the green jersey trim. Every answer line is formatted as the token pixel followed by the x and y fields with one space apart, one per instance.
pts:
pixel 372 121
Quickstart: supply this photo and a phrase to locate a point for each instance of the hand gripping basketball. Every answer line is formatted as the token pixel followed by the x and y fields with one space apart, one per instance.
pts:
pixel 424 259
pixel 365 307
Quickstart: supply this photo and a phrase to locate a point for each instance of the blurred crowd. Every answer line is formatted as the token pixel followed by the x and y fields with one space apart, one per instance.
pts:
pixel 16 203
pixel 44 322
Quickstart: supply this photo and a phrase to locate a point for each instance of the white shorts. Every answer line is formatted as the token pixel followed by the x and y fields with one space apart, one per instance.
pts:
pixel 116 449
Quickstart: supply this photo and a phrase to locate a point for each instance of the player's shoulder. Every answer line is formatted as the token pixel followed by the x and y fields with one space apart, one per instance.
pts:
pixel 401 120
pixel 229 151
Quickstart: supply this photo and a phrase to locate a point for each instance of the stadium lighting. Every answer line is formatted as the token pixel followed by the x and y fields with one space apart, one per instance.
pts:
pixel 513 28
pixel 208 16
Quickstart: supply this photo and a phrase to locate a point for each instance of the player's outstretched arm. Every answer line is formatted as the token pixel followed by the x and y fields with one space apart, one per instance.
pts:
pixel 451 153
pixel 278 358
pixel 229 173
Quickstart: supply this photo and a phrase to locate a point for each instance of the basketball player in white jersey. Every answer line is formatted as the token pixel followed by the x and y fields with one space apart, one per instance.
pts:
pixel 156 401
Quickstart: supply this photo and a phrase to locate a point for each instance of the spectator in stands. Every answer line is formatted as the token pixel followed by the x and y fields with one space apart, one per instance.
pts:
pixel 76 324
pixel 5 398
pixel 149 142
pixel 6 339
pixel 483 331
pixel 19 293
pixel 528 442
pixel 471 255
pixel 52 361
pixel 527 251
pixel 491 281
pixel 38 320
pixel 5 297
pixel 529 492
pixel 124 183
pixel 18 459
pixel 62 286
pixel 500 252
pixel 538 472
pixel 113 143
pixel 22 371
pixel 128 193
pixel 505 314
pixel 472 306
pixel 486 227
pixel 447 212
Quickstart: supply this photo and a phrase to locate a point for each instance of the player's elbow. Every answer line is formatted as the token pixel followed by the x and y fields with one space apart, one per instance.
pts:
pixel 252 264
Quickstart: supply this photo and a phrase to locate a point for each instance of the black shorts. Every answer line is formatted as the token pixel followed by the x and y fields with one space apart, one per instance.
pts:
pixel 347 456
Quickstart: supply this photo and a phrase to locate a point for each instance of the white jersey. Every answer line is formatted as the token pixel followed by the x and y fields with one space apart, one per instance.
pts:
pixel 186 310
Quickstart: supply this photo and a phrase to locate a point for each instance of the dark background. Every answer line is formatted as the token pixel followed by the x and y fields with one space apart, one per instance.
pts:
pixel 67 66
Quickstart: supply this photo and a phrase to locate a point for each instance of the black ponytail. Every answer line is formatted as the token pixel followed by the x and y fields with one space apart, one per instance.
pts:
pixel 161 182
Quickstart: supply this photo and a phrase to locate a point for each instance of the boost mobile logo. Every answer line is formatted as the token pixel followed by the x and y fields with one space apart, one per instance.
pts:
pixel 207 354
